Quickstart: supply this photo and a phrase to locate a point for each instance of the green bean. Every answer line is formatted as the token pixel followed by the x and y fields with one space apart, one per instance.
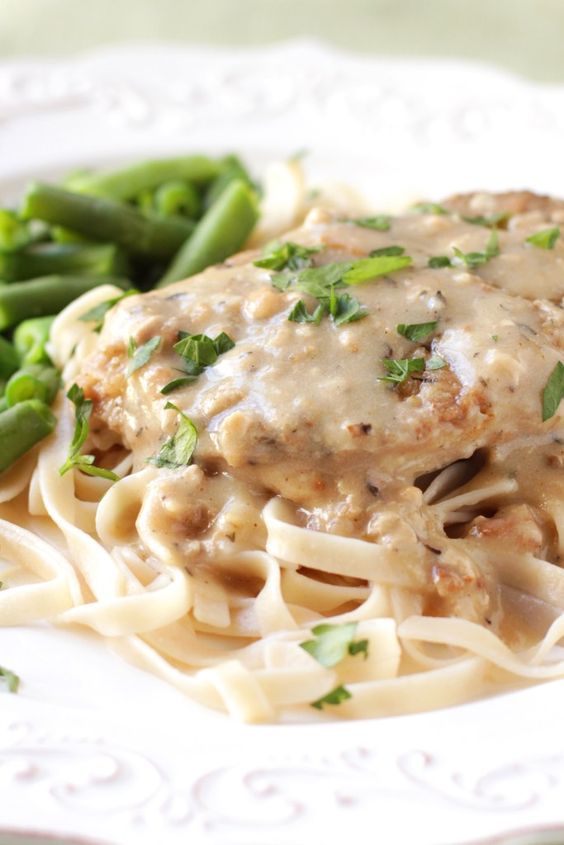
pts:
pixel 14 233
pixel 233 169
pixel 21 427
pixel 47 259
pixel 24 386
pixel 40 297
pixel 62 235
pixel 223 230
pixel 177 198
pixel 30 338
pixel 128 183
pixel 33 382
pixel 9 358
pixel 107 220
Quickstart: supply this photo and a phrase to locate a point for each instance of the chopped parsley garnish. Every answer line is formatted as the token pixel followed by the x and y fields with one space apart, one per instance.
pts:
pixel 416 331
pixel 322 283
pixel 342 309
pixel 85 463
pixel 489 220
pixel 201 350
pixel 300 314
pixel 380 222
pixel 198 352
pixel 545 239
pixel 438 261
pixel 359 647
pixel 345 308
pixel 317 281
pixel 288 256
pixel 177 383
pixel 400 369
pixel 553 393
pixel 140 355
pixel 332 643
pixel 387 250
pixel 435 363
pixel 429 208
pixel 336 696
pixel 11 680
pixel 378 265
pixel 177 451
pixel 475 259
pixel 98 313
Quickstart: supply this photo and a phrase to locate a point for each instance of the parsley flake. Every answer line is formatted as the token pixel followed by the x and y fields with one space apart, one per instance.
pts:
pixel 178 449
pixel 400 369
pixel 198 351
pixel 300 314
pixel 332 643
pixel 553 392
pixel 98 313
pixel 288 256
pixel 387 250
pixel 345 308
pixel 381 222
pixel 429 208
pixel 359 647
pixel 416 331
pixel 140 355
pixel 177 383
pixel 336 696
pixel 545 239
pixel 85 463
pixel 371 268
pixel 489 220
pixel 11 680
pixel 435 363
pixel 475 259
pixel 438 261
pixel 317 281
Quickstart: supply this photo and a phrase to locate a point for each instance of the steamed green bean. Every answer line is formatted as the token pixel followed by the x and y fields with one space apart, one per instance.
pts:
pixel 223 230
pixel 21 427
pixel 9 359
pixel 147 234
pixel 30 338
pixel 177 198
pixel 41 297
pixel 129 182
pixel 49 258
pixel 32 382
pixel 233 169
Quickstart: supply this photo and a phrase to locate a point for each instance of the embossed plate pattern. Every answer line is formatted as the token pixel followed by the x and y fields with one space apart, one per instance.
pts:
pixel 96 750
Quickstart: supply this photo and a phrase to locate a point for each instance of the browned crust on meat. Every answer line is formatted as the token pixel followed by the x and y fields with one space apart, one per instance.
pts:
pixel 514 202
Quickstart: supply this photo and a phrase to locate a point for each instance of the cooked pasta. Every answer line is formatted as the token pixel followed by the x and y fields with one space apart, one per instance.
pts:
pixel 349 493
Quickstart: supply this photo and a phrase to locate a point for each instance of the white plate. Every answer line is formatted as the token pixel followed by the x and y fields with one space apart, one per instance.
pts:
pixel 95 749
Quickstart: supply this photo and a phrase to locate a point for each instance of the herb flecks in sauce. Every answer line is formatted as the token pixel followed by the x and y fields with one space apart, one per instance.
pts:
pixel 10 679
pixel 198 352
pixel 336 696
pixel 333 643
pixel 178 450
pixel 553 392
pixel 85 463
pixel 545 239
pixel 475 259
pixel 416 331
pixel 140 355
pixel 400 369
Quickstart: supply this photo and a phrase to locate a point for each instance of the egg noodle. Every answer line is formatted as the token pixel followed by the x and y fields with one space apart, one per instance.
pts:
pixel 81 550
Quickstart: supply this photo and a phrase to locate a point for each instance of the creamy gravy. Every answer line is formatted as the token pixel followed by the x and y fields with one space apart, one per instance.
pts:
pixel 299 410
